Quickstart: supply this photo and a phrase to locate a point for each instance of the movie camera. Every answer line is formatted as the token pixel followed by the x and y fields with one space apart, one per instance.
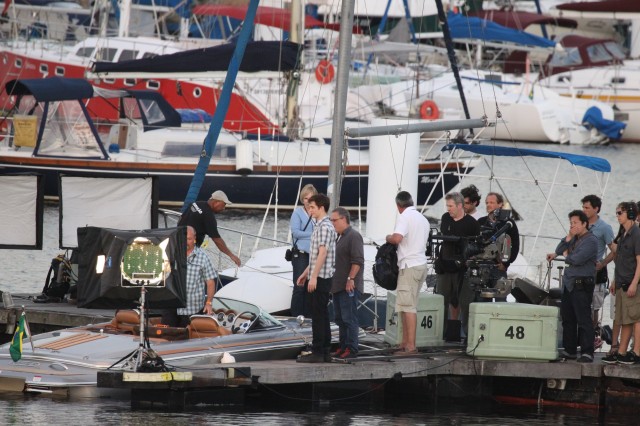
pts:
pixel 478 257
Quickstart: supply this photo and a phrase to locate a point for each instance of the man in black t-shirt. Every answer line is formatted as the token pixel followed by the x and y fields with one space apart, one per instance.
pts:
pixel 457 294
pixel 201 216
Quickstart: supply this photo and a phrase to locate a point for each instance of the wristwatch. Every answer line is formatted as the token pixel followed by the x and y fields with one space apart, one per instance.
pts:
pixel 208 302
pixel 349 279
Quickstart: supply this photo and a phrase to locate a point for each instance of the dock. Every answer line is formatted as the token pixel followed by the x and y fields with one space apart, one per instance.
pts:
pixel 422 378
pixel 45 317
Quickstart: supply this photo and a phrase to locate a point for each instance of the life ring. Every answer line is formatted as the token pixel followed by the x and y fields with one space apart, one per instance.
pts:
pixel 325 72
pixel 429 110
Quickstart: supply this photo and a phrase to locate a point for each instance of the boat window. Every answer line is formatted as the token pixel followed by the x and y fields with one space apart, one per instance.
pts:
pixel 618 80
pixel 59 71
pixel 153 84
pixel 44 69
pixel 127 55
pixel 18 63
pixel 68 132
pixel 106 54
pixel 129 82
pixel 564 79
pixel 598 53
pixel 182 149
pixel 570 57
pixel 197 92
pixel 149 55
pixel 85 52
pixel 109 80
pixel 615 49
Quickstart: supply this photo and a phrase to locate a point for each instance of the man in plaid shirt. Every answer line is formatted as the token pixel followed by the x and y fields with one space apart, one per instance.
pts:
pixel 200 283
pixel 319 273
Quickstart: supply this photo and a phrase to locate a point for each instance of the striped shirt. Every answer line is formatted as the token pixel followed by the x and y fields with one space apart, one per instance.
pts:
pixel 324 234
pixel 199 271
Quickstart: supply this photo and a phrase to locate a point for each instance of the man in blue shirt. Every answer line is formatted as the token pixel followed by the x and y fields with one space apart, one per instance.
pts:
pixel 580 249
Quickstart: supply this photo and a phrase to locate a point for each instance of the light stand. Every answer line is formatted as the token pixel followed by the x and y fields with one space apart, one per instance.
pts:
pixel 133 360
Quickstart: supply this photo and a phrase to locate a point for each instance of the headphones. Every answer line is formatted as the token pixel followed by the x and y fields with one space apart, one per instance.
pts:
pixel 632 210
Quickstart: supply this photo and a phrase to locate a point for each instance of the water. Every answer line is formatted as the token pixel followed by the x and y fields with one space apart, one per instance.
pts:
pixel 25 271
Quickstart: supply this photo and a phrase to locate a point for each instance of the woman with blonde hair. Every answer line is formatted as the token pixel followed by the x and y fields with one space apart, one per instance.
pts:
pixel 301 228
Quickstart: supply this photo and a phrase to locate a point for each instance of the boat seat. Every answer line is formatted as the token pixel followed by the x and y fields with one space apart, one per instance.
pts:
pixel 126 320
pixel 206 326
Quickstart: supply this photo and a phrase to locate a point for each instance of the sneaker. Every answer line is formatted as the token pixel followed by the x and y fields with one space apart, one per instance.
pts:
pixel 597 343
pixel 566 355
pixel 611 358
pixel 337 353
pixel 585 358
pixel 313 358
pixel 347 354
pixel 629 358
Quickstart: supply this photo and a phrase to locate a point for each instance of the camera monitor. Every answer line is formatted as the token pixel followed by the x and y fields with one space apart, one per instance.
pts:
pixel 115 264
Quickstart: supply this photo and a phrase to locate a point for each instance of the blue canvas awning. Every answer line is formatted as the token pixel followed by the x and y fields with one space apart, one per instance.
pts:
pixel 51 89
pixel 463 27
pixel 593 163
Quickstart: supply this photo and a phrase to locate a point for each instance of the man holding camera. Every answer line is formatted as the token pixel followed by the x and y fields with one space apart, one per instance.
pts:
pixel 450 265
pixel 494 203
pixel 580 250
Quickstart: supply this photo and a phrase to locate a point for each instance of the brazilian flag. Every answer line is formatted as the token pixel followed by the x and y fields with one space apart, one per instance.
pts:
pixel 16 344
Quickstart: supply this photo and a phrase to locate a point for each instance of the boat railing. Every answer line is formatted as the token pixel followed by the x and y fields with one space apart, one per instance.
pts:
pixel 170 219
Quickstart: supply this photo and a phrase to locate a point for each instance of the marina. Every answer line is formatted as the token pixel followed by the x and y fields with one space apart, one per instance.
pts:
pixel 96 340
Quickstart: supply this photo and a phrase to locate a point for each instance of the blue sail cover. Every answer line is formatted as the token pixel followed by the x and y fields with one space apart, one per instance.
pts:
pixel 593 163
pixel 593 118
pixel 481 29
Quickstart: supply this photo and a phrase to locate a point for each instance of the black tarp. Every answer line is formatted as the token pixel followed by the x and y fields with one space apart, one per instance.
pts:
pixel 105 290
pixel 259 56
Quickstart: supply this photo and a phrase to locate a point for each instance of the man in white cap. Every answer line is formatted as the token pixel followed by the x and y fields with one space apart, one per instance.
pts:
pixel 201 216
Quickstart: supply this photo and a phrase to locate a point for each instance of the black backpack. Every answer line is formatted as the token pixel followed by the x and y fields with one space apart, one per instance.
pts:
pixel 57 284
pixel 385 269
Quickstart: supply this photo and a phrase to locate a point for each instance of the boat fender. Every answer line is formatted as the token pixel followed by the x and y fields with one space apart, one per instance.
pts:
pixel 244 157
pixel 429 110
pixel 227 358
pixel 325 72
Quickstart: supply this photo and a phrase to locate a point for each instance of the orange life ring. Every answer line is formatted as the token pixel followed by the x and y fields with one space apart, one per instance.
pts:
pixel 325 72
pixel 429 110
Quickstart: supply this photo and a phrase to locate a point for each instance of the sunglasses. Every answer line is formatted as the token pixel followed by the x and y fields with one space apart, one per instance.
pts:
pixel 619 212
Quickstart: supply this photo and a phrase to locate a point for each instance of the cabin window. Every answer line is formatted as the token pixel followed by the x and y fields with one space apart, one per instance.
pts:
pixel 44 69
pixel 188 149
pixel 85 52
pixel 60 71
pixel 197 92
pixel 598 53
pixel 153 84
pixel 618 80
pixel 127 55
pixel 564 79
pixel 106 54
pixel 18 63
pixel 149 55
pixel 109 80
pixel 569 58
pixel 615 50
pixel 129 82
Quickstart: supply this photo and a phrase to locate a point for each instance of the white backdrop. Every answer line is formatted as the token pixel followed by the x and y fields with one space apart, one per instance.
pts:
pixel 19 211
pixel 104 202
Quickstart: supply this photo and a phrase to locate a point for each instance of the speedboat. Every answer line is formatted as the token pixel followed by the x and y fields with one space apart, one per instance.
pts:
pixel 67 361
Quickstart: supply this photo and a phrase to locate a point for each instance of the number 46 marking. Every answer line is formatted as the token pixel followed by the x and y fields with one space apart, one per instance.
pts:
pixel 519 333
pixel 427 322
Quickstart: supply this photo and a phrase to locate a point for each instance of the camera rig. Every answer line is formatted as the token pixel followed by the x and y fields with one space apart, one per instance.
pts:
pixel 479 256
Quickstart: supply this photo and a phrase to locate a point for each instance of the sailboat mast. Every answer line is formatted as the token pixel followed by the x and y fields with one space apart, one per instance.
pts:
pixel 442 17
pixel 296 35
pixel 340 103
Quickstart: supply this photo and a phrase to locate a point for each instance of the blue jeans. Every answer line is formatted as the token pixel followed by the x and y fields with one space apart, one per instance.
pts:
pixel 346 310
pixel 300 298
pixel 577 323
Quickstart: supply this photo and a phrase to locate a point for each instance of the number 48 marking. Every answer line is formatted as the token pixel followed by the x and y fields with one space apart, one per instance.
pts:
pixel 519 333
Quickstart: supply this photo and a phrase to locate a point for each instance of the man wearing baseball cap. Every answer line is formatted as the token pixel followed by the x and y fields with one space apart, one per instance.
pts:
pixel 201 215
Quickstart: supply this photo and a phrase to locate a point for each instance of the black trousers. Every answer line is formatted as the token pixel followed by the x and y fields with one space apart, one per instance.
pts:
pixel 577 323
pixel 300 298
pixel 320 317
